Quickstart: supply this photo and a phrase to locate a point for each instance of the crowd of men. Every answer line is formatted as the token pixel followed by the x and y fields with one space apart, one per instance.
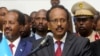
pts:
pixel 50 32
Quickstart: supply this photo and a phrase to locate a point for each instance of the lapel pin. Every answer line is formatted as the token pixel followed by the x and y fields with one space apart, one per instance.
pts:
pixel 21 50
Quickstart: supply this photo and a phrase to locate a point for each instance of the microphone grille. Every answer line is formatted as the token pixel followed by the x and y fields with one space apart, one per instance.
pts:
pixel 50 34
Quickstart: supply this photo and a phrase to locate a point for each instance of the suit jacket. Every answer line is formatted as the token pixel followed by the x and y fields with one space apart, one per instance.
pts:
pixel 95 46
pixel 0 37
pixel 74 46
pixel 24 48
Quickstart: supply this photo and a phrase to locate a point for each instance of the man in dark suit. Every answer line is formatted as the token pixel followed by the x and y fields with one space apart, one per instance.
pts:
pixel 26 32
pixel 12 24
pixel 62 43
pixel 40 24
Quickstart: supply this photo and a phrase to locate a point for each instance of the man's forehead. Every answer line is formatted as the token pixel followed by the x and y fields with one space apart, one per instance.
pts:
pixel 57 10
pixel 12 15
pixel 54 0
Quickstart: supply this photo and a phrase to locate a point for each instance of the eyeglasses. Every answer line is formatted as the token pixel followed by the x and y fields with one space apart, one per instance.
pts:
pixel 78 19
pixel 56 21
pixel 3 14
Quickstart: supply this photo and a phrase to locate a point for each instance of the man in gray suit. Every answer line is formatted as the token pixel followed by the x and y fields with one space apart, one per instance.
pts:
pixel 62 43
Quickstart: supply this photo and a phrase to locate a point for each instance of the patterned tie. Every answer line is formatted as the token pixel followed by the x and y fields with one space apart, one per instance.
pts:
pixel 11 47
pixel 58 51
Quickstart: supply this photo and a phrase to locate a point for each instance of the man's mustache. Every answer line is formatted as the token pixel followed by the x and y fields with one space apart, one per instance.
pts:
pixel 59 27
pixel 81 28
pixel 7 29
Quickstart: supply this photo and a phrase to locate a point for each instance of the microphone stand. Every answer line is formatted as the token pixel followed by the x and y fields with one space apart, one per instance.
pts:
pixel 34 50
pixel 43 43
pixel 38 48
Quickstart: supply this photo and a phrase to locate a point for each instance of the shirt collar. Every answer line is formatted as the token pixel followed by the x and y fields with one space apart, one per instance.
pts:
pixel 37 36
pixel 16 42
pixel 62 40
pixel 31 34
pixel 0 31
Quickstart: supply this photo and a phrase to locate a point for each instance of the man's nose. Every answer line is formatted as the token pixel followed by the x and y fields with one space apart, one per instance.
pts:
pixel 7 25
pixel 58 23
pixel 81 22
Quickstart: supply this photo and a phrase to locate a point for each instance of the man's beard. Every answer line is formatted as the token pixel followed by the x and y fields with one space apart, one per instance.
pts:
pixel 41 30
pixel 33 29
pixel 84 33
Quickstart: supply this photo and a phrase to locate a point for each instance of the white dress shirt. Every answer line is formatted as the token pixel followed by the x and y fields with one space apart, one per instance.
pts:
pixel 16 42
pixel 0 31
pixel 62 40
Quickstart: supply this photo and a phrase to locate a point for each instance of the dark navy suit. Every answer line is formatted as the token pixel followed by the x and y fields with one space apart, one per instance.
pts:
pixel 0 37
pixel 24 48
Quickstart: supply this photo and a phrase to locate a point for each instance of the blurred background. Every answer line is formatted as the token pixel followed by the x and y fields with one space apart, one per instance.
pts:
pixel 27 6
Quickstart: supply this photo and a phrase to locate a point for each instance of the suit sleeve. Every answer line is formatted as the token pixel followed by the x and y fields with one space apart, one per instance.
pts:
pixel 85 48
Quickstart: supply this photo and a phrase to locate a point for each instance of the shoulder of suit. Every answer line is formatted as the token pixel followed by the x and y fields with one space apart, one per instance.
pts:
pixel 26 40
pixel 74 37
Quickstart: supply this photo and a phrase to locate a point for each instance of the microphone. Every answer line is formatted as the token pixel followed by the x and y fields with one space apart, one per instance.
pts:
pixel 43 43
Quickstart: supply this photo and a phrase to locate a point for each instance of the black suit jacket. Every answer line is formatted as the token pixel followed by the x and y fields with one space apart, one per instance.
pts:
pixel 95 46
pixel 0 37
pixel 74 46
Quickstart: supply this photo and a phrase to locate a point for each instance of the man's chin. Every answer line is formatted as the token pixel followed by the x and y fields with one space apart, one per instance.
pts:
pixel 83 32
pixel 8 35
pixel 41 30
pixel 60 33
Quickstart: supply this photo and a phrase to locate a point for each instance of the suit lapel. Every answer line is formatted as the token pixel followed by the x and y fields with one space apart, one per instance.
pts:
pixel 20 48
pixel 50 47
pixel 67 44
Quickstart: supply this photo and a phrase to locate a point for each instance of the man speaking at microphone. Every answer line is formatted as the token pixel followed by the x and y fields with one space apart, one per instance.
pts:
pixel 63 43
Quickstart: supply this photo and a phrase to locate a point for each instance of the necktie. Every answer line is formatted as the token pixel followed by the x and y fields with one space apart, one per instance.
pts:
pixel 58 51
pixel 11 46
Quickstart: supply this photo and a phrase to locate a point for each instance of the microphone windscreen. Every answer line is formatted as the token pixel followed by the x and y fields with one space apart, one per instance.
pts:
pixel 50 34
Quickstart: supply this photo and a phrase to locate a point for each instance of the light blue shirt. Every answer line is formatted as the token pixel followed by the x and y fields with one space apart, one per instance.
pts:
pixel 37 36
pixel 31 35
